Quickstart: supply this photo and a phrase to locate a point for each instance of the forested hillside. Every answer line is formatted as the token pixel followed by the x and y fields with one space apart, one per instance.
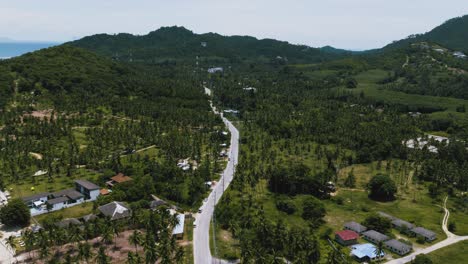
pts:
pixel 178 43
pixel 452 34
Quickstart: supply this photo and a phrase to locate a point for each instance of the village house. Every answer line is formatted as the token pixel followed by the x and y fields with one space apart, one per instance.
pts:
pixel 428 235
pixel 178 230
pixel 366 252
pixel 36 199
pixel 115 210
pixel 402 225
pixel 398 247
pixel 89 189
pixel 117 179
pixel 356 227
pixel 346 237
pixel 374 236
pixel 385 215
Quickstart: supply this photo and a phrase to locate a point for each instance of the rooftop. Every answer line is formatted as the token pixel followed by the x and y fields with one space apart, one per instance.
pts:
pixel 119 178
pixel 365 250
pixel 87 184
pixel 423 232
pixel 179 228
pixel 346 235
pixel 402 223
pixel 398 245
pixel 377 236
pixel 71 193
pixel 58 200
pixel 355 226
pixel 115 210
pixel 35 196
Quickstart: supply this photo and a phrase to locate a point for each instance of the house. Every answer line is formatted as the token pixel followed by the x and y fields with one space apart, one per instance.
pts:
pixel 73 195
pixel 374 236
pixel 104 191
pixel 65 223
pixel 215 69
pixel 422 232
pixel 115 210
pixel 385 215
pixel 398 247
pixel 402 225
pixel 178 230
pixel 346 237
pixel 366 252
pixel 36 199
pixel 356 227
pixel 58 203
pixel 119 178
pixel 89 217
pixel 156 203
pixel 88 189
pixel 459 54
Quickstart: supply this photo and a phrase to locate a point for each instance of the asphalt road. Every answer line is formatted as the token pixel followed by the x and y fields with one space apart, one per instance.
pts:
pixel 201 236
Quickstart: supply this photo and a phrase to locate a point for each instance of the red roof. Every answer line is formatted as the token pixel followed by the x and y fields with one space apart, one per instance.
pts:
pixel 346 235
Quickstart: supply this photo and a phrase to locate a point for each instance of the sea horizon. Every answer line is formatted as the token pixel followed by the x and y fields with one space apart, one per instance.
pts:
pixel 12 49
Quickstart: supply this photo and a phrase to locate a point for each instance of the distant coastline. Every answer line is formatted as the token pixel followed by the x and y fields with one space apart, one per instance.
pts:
pixel 14 49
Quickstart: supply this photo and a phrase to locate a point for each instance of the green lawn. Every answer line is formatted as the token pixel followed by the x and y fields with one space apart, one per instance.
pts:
pixel 457 253
pixel 42 183
pixel 70 212
pixel 227 247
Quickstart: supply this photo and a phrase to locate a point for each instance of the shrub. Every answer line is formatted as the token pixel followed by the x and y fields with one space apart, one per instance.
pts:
pixel 286 205
pixel 382 188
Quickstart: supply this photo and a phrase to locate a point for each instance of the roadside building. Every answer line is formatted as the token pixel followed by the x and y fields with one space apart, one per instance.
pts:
pixel 356 227
pixel 346 237
pixel 374 236
pixel 428 235
pixel 115 210
pixel 58 203
pixel 178 230
pixel 398 247
pixel 366 252
pixel 88 189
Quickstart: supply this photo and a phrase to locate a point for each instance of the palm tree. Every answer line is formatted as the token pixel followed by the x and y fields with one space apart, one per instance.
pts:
pixel 135 239
pixel 101 257
pixel 84 251
pixel 11 243
pixel 107 235
pixel 29 240
pixel 115 228
pixel 379 249
pixel 150 249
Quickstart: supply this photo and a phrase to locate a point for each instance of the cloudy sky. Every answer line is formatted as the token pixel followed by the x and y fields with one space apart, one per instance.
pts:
pixel 351 24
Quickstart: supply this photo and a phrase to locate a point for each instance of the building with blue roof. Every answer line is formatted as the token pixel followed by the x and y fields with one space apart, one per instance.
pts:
pixel 366 252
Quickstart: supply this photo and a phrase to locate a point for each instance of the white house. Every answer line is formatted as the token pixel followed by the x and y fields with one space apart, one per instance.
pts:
pixel 88 189
pixel 215 69
pixel 178 230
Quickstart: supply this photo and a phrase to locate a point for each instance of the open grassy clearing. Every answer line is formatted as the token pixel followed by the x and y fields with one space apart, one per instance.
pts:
pixel 457 253
pixel 70 212
pixel 42 183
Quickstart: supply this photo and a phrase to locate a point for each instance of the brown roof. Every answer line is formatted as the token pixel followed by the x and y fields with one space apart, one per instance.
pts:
pixel 104 191
pixel 119 178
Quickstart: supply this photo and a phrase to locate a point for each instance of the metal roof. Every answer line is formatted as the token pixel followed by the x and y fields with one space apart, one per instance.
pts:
pixel 179 228
pixel 374 235
pixel 355 226
pixel 398 245
pixel 365 250
pixel 87 184
pixel 58 200
pixel 35 196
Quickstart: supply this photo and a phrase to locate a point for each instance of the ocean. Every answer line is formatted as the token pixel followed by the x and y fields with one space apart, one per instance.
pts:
pixel 13 49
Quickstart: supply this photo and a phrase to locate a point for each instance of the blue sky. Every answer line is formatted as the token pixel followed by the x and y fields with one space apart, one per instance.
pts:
pixel 351 24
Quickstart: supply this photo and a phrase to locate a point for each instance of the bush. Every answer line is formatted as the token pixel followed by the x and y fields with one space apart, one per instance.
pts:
pixel 15 213
pixel 313 210
pixel 286 205
pixel 382 188
pixel 422 259
pixel 378 223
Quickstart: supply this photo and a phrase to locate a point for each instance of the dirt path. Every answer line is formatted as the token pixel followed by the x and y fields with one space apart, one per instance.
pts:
pixel 450 240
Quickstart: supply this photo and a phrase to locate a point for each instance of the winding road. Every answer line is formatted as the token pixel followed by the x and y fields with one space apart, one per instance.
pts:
pixel 451 239
pixel 201 236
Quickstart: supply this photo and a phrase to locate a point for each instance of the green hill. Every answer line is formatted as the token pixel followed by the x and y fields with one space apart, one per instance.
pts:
pixel 178 43
pixel 452 34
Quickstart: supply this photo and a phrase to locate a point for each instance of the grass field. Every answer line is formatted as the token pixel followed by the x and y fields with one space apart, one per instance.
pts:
pixel 70 212
pixel 42 183
pixel 457 253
